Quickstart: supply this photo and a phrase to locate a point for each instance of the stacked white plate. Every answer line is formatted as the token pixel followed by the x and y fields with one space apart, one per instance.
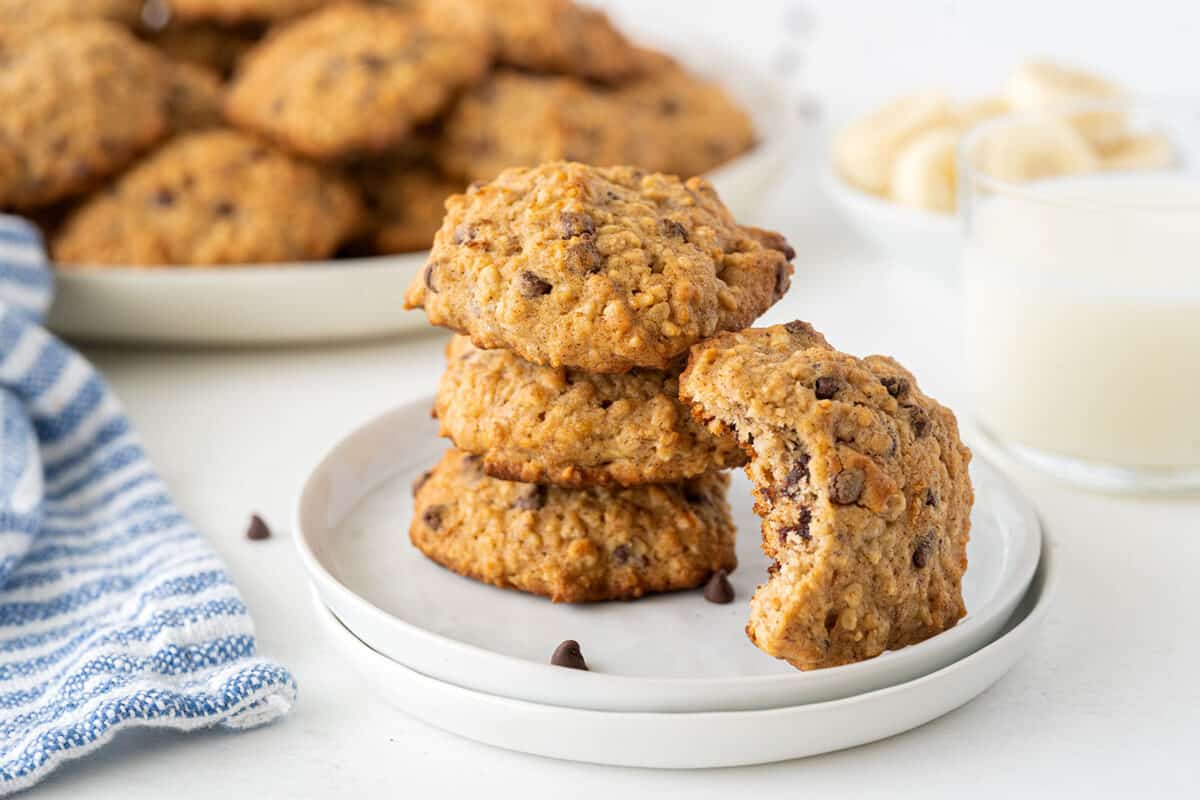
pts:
pixel 474 660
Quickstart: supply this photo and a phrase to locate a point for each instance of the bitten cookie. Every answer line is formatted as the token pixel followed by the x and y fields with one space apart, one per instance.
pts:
pixel 513 119
pixel 573 545
pixel 573 428
pixel 601 269
pixel 862 484
pixel 79 102
pixel 215 197
pixel 557 36
pixel 350 80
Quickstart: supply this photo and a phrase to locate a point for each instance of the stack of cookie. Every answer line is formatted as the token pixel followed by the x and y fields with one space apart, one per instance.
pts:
pixel 207 132
pixel 577 291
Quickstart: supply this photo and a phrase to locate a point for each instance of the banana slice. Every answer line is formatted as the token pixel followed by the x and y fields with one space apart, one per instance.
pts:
pixel 1041 85
pixel 925 175
pixel 1030 149
pixel 970 114
pixel 1138 151
pixel 864 151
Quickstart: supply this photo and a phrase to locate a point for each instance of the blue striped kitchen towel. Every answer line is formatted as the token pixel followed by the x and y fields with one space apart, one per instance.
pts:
pixel 114 612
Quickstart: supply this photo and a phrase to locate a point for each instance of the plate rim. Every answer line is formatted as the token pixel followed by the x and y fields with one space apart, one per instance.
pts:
pixel 328 584
pixel 1021 635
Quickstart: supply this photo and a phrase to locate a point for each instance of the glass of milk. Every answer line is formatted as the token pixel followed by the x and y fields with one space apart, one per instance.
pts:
pixel 1081 289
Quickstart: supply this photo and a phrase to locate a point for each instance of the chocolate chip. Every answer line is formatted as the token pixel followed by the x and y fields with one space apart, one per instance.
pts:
pixel 533 499
pixel 531 285
pixel 583 256
pixel 798 327
pixel 224 208
pixel 773 568
pixel 826 387
pixel 433 517
pixel 924 550
pixel 919 419
pixel 692 494
pixel 668 106
pixel 257 530
pixel 783 279
pixel 798 473
pixel 420 481
pixel 799 529
pixel 256 154
pixel 896 387
pixel 163 198
pixel 572 224
pixel 848 486
pixel 621 553
pixel 429 284
pixel 719 590
pixel 372 62
pixel 930 498
pixel 673 229
pixel 782 246
pixel 568 655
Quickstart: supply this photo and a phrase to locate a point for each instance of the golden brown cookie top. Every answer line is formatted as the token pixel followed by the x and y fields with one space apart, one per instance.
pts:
pixel 603 269
pixel 862 483
pixel 556 36
pixel 80 101
pixel 214 197
pixel 350 79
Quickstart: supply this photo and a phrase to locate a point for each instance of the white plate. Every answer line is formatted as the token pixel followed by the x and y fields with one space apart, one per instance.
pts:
pixel 345 299
pixel 693 740
pixel 671 652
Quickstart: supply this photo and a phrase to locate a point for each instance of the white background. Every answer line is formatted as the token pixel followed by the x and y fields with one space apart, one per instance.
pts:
pixel 1107 705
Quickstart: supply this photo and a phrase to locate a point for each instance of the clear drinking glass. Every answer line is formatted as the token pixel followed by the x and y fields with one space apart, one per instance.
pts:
pixel 1081 291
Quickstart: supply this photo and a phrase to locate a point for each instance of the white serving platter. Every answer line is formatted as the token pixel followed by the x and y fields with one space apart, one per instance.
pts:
pixel 351 298
pixel 669 653
pixel 705 739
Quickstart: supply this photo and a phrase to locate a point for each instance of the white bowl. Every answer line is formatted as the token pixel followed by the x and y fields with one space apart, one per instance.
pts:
pixel 668 653
pixel 911 237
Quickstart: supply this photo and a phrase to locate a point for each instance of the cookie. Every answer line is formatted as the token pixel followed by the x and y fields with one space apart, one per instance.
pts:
pixel 237 11
pixel 405 202
pixel 350 80
pixel 555 36
pixel 862 484
pixel 573 428
pixel 573 545
pixel 194 98
pixel 215 47
pixel 601 269
pixel 215 197
pixel 80 101
pixel 513 119
pixel 23 20
pixel 703 125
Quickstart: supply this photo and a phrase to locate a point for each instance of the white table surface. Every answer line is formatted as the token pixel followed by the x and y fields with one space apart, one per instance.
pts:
pixel 1107 705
